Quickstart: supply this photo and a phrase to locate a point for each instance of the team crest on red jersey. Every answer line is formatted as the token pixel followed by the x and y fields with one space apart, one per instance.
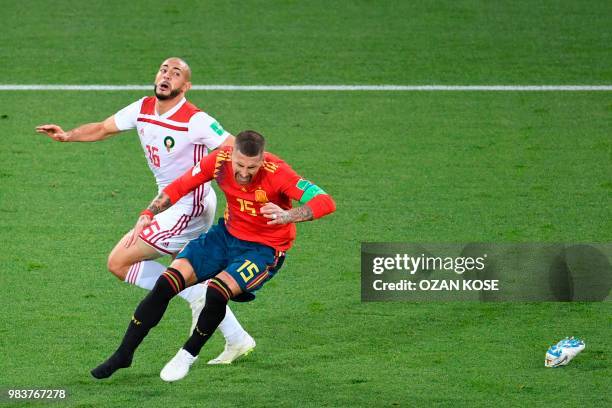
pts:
pixel 260 196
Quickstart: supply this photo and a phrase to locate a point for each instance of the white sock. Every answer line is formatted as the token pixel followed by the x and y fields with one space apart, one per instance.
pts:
pixel 144 274
pixel 193 292
pixel 231 328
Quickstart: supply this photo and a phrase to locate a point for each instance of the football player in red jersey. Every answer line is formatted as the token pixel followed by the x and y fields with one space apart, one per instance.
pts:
pixel 239 254
pixel 174 135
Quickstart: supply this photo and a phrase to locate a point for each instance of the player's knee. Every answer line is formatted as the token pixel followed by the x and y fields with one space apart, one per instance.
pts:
pixel 217 295
pixel 153 306
pixel 169 284
pixel 116 267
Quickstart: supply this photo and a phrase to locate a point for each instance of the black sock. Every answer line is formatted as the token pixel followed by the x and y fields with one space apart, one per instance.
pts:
pixel 212 314
pixel 112 364
pixel 147 315
pixel 150 310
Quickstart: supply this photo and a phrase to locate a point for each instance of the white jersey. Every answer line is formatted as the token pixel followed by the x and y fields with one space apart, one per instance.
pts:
pixel 173 142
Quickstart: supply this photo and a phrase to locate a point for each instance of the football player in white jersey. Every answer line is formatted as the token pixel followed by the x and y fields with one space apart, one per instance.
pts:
pixel 174 135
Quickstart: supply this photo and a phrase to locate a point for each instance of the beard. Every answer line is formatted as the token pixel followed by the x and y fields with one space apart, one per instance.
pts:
pixel 242 181
pixel 163 97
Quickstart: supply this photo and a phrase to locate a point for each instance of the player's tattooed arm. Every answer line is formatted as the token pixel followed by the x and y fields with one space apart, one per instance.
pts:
pixel 279 216
pixel 299 214
pixel 160 203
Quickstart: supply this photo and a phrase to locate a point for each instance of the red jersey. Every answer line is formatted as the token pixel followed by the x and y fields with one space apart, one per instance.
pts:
pixel 275 182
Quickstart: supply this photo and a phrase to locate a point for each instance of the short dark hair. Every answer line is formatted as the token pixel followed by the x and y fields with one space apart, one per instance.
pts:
pixel 250 143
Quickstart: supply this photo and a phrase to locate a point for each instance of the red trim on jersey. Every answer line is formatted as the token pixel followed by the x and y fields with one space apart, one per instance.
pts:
pixel 165 234
pixel 184 225
pixel 156 247
pixel 199 151
pixel 184 113
pixel 196 149
pixel 162 234
pixel 197 206
pixel 162 124
pixel 174 231
pixel 148 106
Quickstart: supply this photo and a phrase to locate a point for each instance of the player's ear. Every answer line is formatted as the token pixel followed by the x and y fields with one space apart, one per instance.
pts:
pixel 187 86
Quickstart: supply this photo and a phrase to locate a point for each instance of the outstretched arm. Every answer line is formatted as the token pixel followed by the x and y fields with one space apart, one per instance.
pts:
pixel 90 132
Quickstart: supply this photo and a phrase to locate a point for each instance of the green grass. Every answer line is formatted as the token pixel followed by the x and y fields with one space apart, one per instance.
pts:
pixel 271 42
pixel 403 167
pixel 455 167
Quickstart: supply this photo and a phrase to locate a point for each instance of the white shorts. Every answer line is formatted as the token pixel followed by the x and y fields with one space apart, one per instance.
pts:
pixel 176 226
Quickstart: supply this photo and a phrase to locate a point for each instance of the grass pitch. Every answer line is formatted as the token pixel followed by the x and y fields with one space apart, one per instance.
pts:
pixel 413 167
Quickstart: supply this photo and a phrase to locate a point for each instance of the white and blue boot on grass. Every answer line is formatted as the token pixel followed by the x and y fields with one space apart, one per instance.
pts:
pixel 563 352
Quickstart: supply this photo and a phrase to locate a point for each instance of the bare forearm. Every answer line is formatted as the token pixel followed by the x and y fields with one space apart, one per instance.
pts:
pixel 299 214
pixel 160 203
pixel 90 132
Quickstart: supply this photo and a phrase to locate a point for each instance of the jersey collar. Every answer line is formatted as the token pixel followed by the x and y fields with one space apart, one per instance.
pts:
pixel 173 110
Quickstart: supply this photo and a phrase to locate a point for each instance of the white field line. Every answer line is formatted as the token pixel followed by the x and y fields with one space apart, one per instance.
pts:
pixel 394 88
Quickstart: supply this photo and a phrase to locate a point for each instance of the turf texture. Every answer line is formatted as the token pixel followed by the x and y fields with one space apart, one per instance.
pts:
pixel 403 167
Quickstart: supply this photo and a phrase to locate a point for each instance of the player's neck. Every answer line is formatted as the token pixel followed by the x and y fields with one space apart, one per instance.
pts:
pixel 163 106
